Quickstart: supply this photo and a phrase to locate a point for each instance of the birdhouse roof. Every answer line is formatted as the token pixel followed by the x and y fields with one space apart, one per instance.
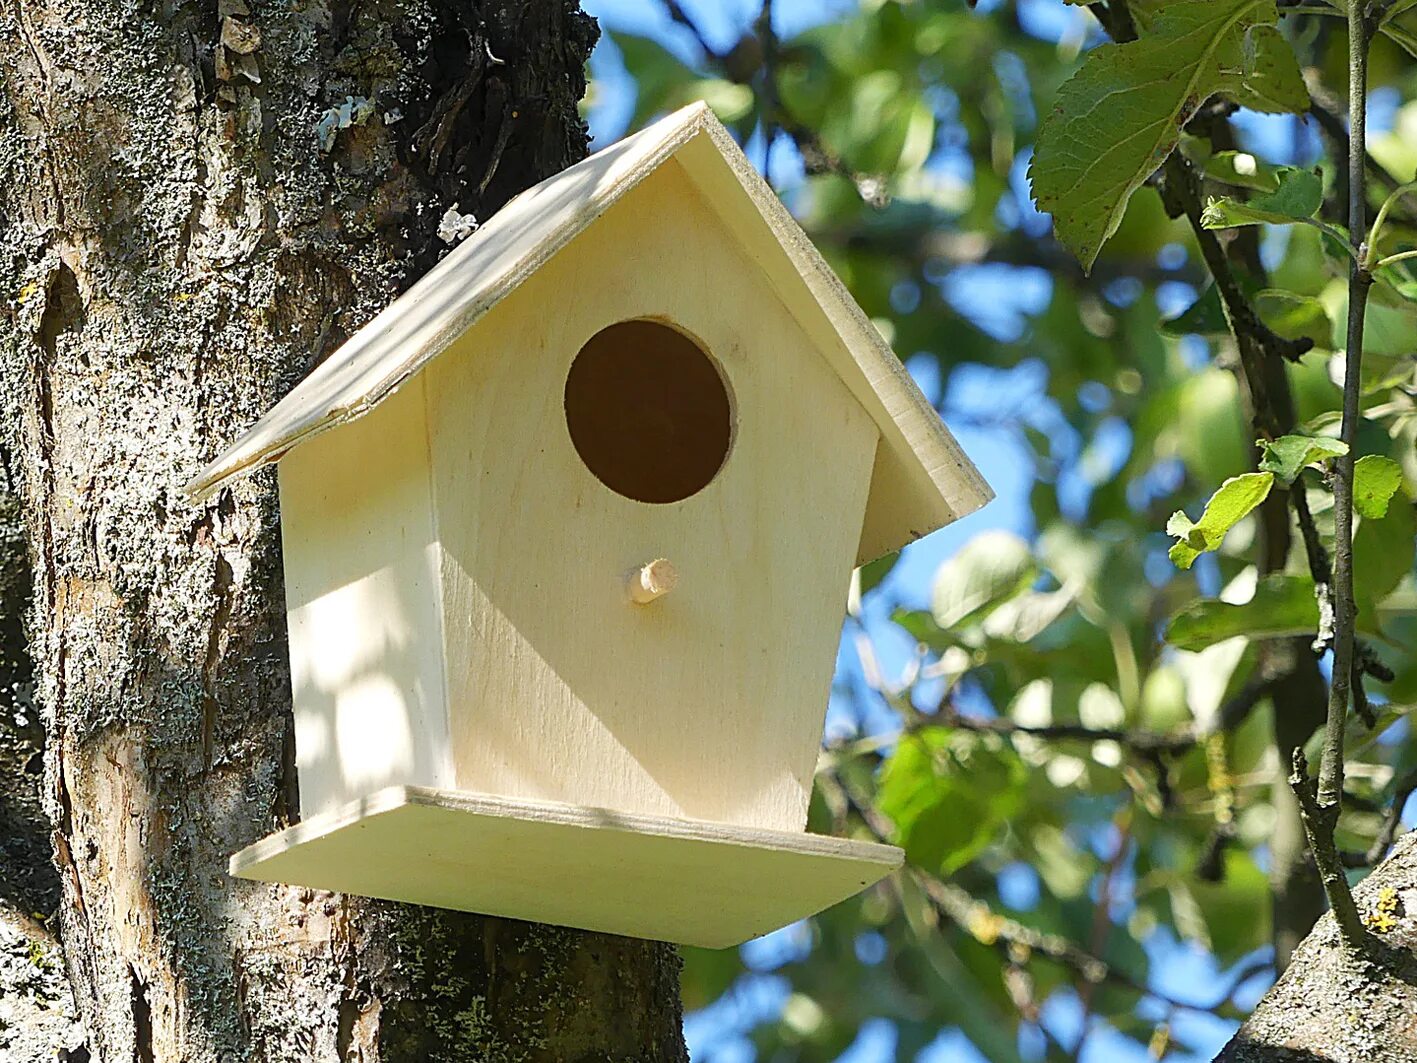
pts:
pixel 922 480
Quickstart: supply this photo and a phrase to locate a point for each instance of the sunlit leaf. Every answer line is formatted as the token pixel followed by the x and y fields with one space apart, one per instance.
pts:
pixel 992 567
pixel 1226 508
pixel 947 793
pixel 1115 121
pixel 1287 455
pixel 1375 480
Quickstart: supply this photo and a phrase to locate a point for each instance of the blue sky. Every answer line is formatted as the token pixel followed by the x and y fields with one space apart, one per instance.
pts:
pixel 1180 970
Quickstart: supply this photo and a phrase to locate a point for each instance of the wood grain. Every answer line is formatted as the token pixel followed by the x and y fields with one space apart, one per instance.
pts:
pixel 710 703
pixel 667 879
pixel 922 479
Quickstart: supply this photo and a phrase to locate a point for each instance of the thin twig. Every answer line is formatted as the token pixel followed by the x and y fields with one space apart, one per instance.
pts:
pixel 772 102
pixel 679 15
pixel 1319 825
pixel 1320 806
pixel 1231 714
pixel 1320 568
pixel 979 920
pixel 1144 742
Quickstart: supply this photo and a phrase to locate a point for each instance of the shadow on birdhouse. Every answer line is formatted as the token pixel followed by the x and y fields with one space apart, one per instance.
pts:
pixel 568 530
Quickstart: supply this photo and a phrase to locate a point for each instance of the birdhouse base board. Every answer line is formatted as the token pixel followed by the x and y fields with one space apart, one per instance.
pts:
pixel 686 881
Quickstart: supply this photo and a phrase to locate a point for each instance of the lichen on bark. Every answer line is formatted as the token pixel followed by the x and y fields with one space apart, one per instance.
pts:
pixel 1331 1007
pixel 179 244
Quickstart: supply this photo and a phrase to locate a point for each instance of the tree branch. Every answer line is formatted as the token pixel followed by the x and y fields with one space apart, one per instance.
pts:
pixel 1321 807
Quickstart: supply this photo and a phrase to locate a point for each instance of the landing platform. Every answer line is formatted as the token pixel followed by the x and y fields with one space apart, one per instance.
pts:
pixel 686 881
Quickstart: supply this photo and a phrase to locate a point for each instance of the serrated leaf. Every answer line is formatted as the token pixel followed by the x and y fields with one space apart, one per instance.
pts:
pixel 1281 606
pixel 1375 480
pixel 1229 505
pixel 1298 198
pixel 1120 115
pixel 1287 455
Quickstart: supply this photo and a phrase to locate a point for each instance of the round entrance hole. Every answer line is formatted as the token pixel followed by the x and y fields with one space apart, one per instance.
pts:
pixel 648 411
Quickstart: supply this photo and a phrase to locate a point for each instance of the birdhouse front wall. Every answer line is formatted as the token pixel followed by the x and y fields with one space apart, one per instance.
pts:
pixel 707 703
pixel 363 586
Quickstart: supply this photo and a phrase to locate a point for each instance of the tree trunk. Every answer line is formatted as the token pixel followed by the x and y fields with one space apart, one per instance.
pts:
pixel 1329 1009
pixel 197 201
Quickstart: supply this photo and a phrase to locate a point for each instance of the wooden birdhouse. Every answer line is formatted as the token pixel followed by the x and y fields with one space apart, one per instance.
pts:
pixel 568 529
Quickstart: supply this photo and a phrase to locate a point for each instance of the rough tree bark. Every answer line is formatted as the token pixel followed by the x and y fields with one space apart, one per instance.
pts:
pixel 198 199
pixel 1330 1009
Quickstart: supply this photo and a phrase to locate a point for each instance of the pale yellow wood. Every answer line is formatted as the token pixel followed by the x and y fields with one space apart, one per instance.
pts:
pixel 667 879
pixel 653 581
pixel 363 595
pixel 709 704
pixel 922 480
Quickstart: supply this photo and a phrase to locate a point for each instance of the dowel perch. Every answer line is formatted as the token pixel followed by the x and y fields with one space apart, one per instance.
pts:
pixel 652 581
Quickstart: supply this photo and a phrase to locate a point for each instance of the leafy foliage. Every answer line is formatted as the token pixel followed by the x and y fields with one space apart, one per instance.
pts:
pixel 1375 480
pixel 1231 503
pixel 1298 198
pixel 1286 456
pixel 1116 120
pixel 997 724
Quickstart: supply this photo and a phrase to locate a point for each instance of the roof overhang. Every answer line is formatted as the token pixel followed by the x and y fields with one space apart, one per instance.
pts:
pixel 922 479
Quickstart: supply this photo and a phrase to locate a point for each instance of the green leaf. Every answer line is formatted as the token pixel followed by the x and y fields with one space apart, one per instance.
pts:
pixel 1236 909
pixel 1298 198
pixel 1397 7
pixel 1282 605
pixel 1226 508
pixel 1286 313
pixel 1261 73
pixel 1293 316
pixel 1243 169
pixel 1401 36
pixel 1375 480
pixel 948 793
pixel 1382 556
pixel 1204 317
pixel 992 567
pixel 1116 120
pixel 1287 455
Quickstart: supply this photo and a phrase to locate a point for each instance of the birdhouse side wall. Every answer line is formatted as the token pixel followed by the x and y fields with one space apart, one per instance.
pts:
pixel 362 592
pixel 707 703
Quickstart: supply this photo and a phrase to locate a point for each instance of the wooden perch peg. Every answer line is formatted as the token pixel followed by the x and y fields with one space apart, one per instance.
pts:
pixel 652 581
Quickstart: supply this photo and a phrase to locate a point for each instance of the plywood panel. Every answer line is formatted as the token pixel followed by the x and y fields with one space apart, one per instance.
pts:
pixel 363 600
pixel 691 883
pixel 923 479
pixel 707 703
